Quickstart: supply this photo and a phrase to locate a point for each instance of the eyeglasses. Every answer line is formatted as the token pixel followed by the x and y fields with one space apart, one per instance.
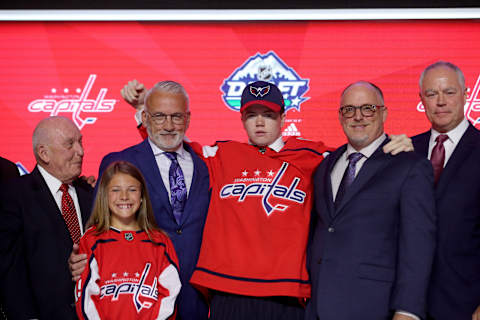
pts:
pixel 160 118
pixel 367 110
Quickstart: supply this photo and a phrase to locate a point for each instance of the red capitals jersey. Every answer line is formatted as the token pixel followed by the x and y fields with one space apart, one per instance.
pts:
pixel 255 236
pixel 127 276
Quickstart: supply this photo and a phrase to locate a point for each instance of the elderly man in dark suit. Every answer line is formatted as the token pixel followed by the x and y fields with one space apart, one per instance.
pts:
pixel 453 146
pixel 43 215
pixel 373 242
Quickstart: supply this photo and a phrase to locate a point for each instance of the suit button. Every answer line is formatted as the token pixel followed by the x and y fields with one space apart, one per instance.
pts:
pixel 331 229
pixel 320 261
pixel 179 231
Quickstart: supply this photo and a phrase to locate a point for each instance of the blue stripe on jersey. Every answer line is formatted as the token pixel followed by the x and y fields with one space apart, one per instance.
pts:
pixel 165 252
pixel 101 241
pixel 305 149
pixel 251 279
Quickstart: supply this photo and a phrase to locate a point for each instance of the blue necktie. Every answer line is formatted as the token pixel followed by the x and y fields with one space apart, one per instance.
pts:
pixel 178 189
pixel 348 176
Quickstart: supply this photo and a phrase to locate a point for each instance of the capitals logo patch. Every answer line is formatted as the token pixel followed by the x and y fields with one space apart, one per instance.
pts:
pixel 268 188
pixel 260 91
pixel 270 68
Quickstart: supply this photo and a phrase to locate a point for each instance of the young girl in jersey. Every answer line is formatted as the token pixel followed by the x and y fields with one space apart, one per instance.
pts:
pixel 132 268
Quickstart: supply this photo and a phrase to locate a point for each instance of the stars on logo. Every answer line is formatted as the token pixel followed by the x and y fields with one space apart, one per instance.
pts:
pixel 259 173
pixel 137 274
pixel 114 275
pixel 125 274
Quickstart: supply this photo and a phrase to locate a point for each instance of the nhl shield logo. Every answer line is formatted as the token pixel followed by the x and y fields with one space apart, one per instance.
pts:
pixel 270 68
pixel 128 236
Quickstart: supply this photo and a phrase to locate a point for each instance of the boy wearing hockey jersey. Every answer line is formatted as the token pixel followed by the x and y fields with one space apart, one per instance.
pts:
pixel 254 241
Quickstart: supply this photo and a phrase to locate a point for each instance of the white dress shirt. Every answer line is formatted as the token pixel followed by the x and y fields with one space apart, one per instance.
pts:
pixel 184 159
pixel 454 137
pixel 54 187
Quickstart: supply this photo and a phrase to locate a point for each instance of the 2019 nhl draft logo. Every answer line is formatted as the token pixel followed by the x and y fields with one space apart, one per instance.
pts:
pixel 472 105
pixel 55 103
pixel 270 68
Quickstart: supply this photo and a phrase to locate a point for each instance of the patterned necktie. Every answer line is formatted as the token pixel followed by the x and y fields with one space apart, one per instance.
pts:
pixel 438 156
pixel 69 214
pixel 348 176
pixel 178 189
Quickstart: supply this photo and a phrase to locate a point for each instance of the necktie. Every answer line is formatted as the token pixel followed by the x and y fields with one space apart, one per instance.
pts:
pixel 178 189
pixel 69 214
pixel 348 176
pixel 438 156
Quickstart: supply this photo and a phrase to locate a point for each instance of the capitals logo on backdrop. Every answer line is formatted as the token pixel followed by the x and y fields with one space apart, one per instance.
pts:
pixel 270 68
pixel 472 105
pixel 76 103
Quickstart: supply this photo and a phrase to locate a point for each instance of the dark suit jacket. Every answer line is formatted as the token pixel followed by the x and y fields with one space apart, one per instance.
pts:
pixel 455 286
pixel 34 249
pixel 187 236
pixel 373 254
pixel 8 170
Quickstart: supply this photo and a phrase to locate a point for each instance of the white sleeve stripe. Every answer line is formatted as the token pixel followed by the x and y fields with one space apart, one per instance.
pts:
pixel 170 280
pixel 90 288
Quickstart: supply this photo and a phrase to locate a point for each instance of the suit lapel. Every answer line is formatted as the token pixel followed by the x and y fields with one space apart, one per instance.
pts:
pixel 148 166
pixel 332 160
pixel 84 200
pixel 462 151
pixel 194 187
pixel 421 143
pixel 369 169
pixel 48 206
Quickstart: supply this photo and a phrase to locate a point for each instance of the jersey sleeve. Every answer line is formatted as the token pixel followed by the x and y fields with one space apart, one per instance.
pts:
pixel 87 290
pixel 168 282
pixel 209 155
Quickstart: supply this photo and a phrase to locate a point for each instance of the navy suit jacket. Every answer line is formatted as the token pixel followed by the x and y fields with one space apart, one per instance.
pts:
pixel 8 170
pixel 455 286
pixel 186 236
pixel 35 246
pixel 373 254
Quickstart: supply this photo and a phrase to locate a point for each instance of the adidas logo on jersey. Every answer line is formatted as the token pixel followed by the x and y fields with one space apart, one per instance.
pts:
pixel 291 131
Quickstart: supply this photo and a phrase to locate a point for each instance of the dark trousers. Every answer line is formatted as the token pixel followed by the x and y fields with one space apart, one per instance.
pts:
pixel 225 306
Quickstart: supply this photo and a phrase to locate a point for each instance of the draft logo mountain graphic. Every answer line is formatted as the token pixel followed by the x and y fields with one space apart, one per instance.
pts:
pixel 270 68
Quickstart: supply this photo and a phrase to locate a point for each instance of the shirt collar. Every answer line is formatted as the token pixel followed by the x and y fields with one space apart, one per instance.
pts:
pixel 52 182
pixel 368 150
pixel 276 145
pixel 157 151
pixel 455 134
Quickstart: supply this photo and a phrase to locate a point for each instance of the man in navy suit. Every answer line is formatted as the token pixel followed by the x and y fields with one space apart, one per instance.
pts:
pixel 37 231
pixel 166 117
pixel 455 284
pixel 372 244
